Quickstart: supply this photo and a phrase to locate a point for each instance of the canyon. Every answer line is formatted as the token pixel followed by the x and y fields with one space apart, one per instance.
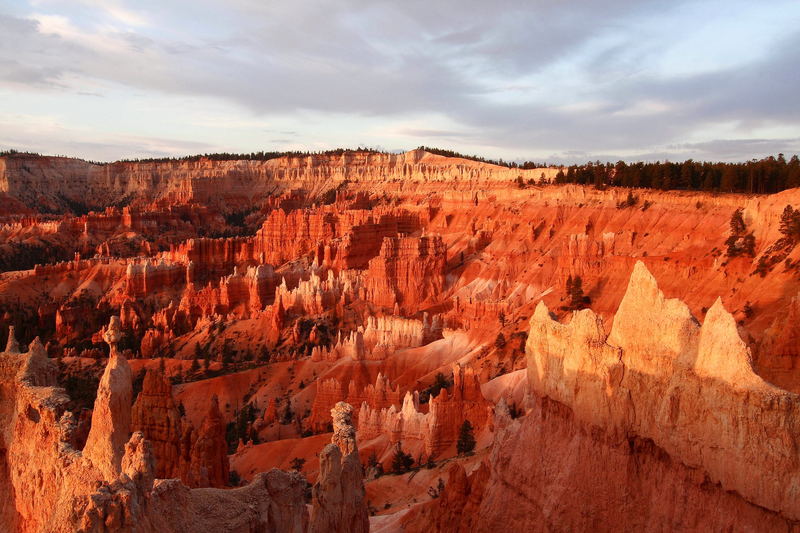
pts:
pixel 364 341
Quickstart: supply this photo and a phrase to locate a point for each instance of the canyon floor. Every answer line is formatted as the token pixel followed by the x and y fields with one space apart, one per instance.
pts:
pixel 391 342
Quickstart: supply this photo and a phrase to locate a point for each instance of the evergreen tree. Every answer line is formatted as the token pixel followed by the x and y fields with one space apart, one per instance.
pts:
pixel 401 461
pixel 577 299
pixel 500 341
pixel 729 179
pixel 740 242
pixel 466 439
pixel 737 224
pixel 790 223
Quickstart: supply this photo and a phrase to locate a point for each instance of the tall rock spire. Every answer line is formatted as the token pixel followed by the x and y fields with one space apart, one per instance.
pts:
pixel 12 346
pixel 338 498
pixel 111 418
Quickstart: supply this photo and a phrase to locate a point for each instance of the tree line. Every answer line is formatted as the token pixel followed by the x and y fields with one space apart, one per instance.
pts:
pixel 526 165
pixel 760 176
pixel 253 156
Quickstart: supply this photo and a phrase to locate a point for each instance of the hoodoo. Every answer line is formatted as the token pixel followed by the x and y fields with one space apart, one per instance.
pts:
pixel 641 419
pixel 360 341
pixel 301 338
pixel 111 417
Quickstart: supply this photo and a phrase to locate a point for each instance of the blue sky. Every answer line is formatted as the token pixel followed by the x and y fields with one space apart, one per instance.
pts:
pixel 542 80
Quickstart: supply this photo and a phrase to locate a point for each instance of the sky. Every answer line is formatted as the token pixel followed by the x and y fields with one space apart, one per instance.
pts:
pixel 554 81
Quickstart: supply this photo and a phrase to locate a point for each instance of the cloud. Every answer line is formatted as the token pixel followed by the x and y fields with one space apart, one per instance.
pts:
pixel 529 77
pixel 47 134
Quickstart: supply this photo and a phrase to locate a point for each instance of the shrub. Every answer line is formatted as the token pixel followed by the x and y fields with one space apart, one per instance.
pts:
pixel 436 491
pixel 466 439
pixel 401 461
pixel 500 341
pixel 630 201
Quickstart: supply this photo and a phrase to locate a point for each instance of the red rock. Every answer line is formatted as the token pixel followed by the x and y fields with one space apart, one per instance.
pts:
pixel 408 271
pixel 618 429
pixel 338 503
pixel 111 417
pixel 438 429
pixel 331 391
pixel 157 417
pixel 208 457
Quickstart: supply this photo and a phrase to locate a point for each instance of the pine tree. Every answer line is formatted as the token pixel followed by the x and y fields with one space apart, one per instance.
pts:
pixel 729 179
pixel 466 438
pixel 500 341
pixel 790 223
pixel 740 242
pixel 577 299
pixel 737 224
pixel 401 461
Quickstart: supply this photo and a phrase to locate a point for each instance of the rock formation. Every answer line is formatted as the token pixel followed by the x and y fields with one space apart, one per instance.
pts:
pixel 338 500
pixel 408 271
pixel 111 417
pixel 105 488
pixel 437 429
pixel 282 287
pixel 208 464
pixel 156 416
pixel 331 391
pixel 622 429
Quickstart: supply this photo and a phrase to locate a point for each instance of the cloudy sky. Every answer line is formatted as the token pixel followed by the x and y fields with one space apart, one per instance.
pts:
pixel 528 79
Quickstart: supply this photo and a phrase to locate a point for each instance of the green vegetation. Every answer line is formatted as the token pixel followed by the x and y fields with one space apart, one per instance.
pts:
pixel 297 464
pixel 253 156
pixel 576 300
pixel 241 428
pixel 466 439
pixel 401 461
pixel 439 382
pixel 790 224
pixel 763 176
pixel 740 242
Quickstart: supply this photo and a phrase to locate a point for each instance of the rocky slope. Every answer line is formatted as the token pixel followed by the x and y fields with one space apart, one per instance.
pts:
pixel 660 425
pixel 255 296
pixel 111 484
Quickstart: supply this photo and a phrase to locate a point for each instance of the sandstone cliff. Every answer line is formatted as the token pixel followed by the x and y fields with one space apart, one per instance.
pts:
pixel 660 425
pixel 49 180
pixel 107 487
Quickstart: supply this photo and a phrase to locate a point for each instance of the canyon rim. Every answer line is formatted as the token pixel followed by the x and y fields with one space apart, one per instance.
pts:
pixel 308 326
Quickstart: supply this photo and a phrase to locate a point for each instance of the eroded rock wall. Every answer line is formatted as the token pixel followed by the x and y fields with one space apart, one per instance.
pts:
pixel 660 425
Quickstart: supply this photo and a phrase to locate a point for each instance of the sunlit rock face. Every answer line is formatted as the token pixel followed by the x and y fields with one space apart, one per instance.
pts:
pixel 359 341
pixel 338 502
pixel 642 418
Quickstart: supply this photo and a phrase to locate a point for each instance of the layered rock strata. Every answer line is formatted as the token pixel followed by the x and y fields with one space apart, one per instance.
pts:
pixel 110 486
pixel 660 425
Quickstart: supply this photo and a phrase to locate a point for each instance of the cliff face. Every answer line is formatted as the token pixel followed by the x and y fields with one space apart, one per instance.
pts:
pixel 111 486
pixel 284 287
pixel 407 272
pixel 56 182
pixel 662 424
